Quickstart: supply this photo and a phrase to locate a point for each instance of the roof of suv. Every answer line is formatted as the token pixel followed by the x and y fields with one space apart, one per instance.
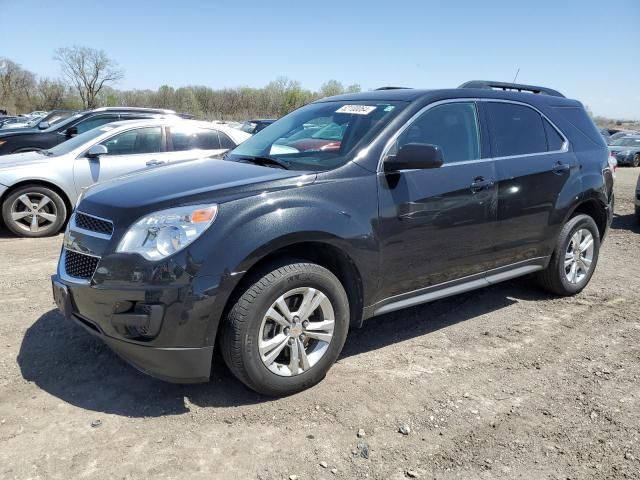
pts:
pixel 475 89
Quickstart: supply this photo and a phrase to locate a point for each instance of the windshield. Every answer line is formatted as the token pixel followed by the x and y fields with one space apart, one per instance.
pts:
pixel 320 136
pixel 79 140
pixel 63 123
pixel 627 142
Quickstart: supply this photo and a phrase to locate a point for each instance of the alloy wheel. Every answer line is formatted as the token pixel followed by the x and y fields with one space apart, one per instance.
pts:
pixel 578 256
pixel 296 331
pixel 34 212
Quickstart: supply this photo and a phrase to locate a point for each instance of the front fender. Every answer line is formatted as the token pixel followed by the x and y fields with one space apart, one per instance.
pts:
pixel 249 229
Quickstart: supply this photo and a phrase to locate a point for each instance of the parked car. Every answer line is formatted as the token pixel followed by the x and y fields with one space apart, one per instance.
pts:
pixel 605 135
pixel 38 189
pixel 626 150
pixel 273 256
pixel 254 126
pixel 53 117
pixel 28 141
pixel 23 122
pixel 621 134
pixel 6 121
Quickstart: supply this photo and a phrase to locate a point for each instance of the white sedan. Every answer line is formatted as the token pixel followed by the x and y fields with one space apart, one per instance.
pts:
pixel 38 189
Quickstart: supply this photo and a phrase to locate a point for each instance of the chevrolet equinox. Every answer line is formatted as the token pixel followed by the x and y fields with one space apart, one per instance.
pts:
pixel 350 207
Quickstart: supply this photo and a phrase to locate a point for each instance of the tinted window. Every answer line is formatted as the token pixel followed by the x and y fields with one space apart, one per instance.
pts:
pixel 93 122
pixel 453 127
pixel 189 138
pixel 554 139
pixel 580 119
pixel 141 140
pixel 516 130
pixel 225 141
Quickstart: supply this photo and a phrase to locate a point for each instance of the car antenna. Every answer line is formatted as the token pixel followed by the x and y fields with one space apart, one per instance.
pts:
pixel 514 78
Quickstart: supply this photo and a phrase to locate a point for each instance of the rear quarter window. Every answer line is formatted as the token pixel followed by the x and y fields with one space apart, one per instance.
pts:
pixel 579 118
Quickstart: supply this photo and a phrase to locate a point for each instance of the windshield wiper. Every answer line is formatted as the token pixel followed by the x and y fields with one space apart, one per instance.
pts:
pixel 45 152
pixel 267 161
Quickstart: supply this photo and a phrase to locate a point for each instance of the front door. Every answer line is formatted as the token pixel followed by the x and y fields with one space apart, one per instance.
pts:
pixel 438 225
pixel 127 152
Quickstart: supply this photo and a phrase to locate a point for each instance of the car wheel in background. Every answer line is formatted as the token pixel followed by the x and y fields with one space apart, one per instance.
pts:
pixel 574 259
pixel 636 160
pixel 34 211
pixel 286 329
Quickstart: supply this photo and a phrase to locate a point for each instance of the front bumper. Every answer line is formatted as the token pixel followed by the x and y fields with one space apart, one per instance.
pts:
pixel 167 359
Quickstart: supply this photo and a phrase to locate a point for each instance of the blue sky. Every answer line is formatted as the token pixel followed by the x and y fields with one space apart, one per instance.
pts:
pixel 589 50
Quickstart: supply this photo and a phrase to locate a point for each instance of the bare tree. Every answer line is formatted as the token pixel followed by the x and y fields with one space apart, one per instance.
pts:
pixel 88 70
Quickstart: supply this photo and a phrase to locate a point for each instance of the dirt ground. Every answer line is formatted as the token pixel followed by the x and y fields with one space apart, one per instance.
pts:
pixel 506 382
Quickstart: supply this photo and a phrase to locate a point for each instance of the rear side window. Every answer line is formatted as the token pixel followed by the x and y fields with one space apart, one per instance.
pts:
pixel 452 126
pixel 516 130
pixel 187 138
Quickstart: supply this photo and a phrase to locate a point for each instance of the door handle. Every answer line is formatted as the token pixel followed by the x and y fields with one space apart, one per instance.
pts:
pixel 559 168
pixel 153 163
pixel 479 184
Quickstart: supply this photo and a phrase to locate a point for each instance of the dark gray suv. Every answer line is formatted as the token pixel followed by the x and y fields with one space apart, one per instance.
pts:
pixel 350 207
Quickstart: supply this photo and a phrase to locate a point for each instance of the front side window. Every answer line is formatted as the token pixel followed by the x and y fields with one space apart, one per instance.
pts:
pixel 320 136
pixel 189 138
pixel 516 130
pixel 627 142
pixel 134 142
pixel 451 126
pixel 93 122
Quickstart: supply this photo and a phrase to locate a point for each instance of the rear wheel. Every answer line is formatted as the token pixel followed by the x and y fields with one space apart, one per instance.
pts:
pixel 636 160
pixel 574 259
pixel 286 329
pixel 34 211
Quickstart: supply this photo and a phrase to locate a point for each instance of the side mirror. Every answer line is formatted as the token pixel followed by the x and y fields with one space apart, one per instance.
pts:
pixel 71 132
pixel 43 125
pixel 414 156
pixel 96 151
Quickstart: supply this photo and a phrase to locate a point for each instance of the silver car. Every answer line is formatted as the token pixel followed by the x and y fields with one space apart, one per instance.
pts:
pixel 39 189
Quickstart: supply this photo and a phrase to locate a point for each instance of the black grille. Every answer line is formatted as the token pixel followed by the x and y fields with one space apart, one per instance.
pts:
pixel 79 265
pixel 94 224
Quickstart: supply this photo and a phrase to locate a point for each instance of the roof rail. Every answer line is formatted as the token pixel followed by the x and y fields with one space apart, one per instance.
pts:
pixel 393 88
pixel 488 84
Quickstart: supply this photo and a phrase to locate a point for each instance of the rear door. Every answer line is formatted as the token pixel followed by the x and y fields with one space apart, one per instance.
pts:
pixel 438 225
pixel 533 165
pixel 127 151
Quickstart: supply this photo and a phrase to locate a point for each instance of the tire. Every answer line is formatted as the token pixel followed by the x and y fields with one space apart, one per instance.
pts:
pixel 17 212
pixel 636 160
pixel 556 277
pixel 247 328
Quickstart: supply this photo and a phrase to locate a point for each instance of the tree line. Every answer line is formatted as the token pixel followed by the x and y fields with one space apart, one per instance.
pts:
pixel 89 79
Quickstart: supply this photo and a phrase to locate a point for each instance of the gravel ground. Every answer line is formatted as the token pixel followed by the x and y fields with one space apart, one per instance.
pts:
pixel 505 382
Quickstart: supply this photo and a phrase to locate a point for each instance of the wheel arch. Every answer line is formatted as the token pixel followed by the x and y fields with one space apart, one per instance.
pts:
pixel 321 252
pixel 593 208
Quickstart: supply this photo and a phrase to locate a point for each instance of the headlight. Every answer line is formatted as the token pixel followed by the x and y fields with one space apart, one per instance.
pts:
pixel 166 232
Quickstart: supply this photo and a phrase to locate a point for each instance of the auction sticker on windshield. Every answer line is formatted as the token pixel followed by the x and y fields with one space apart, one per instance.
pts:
pixel 356 109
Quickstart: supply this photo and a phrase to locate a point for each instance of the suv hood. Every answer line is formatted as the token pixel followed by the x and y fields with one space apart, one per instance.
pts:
pixel 205 180
pixel 18 160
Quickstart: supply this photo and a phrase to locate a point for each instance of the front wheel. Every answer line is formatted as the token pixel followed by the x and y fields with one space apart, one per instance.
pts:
pixel 574 259
pixel 636 160
pixel 286 329
pixel 34 211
